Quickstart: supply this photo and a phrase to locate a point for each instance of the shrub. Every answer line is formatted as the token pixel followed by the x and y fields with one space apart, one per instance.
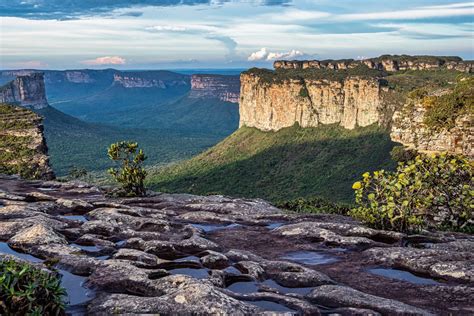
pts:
pixel 76 173
pixel 313 205
pixel 131 174
pixel 427 192
pixel 25 290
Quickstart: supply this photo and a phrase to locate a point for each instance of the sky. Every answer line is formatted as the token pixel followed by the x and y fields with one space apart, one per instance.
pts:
pixel 172 34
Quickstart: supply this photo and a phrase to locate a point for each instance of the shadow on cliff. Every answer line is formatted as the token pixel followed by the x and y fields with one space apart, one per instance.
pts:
pixel 308 168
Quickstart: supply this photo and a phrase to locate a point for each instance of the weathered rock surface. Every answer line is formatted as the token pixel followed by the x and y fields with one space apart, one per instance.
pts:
pixel 185 254
pixel 159 80
pixel 224 88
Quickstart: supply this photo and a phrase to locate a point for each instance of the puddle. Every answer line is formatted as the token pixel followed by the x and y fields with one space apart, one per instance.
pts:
pixel 243 287
pixel 309 257
pixel 195 273
pixel 272 307
pixel 4 248
pixel 102 258
pixel 275 225
pixel 286 290
pixel 47 189
pixel 232 270
pixel 87 248
pixel 76 292
pixel 120 243
pixel 76 218
pixel 402 276
pixel 213 227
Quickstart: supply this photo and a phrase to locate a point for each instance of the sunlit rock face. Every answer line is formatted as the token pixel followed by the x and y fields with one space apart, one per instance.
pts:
pixel 224 88
pixel 144 79
pixel 26 90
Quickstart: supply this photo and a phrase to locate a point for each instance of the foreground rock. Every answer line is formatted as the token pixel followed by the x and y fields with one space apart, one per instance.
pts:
pixel 185 254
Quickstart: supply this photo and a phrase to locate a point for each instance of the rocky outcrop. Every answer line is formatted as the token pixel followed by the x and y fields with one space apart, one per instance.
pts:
pixel 22 144
pixel 186 254
pixel 26 90
pixel 224 88
pixel 160 80
pixel 390 63
pixel 354 101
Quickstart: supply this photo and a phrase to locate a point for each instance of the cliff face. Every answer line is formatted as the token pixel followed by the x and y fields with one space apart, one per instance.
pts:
pixel 224 88
pixel 22 144
pixel 26 90
pixel 160 80
pixel 310 102
pixel 386 63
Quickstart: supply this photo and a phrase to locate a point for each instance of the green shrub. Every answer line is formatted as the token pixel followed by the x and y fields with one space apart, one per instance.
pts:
pixel 131 174
pixel 25 290
pixel 314 205
pixel 304 92
pixel 428 192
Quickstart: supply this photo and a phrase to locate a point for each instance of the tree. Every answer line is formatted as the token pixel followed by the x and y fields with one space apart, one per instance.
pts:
pixel 130 174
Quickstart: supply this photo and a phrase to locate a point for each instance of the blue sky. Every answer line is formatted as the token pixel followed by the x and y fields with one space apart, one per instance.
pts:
pixel 153 34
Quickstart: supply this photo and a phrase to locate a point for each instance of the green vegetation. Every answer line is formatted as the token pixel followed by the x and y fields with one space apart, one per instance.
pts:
pixel 131 173
pixel 402 154
pixel 314 205
pixel 73 143
pixel 427 192
pixel 26 290
pixel 445 109
pixel 293 162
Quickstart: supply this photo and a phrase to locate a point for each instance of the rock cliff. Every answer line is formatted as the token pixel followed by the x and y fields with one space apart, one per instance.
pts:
pixel 26 90
pixel 22 144
pixel 224 88
pixel 353 101
pixel 160 79
pixel 391 63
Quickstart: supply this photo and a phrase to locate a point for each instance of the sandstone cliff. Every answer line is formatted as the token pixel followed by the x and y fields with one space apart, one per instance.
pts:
pixel 26 90
pixel 354 101
pixel 224 88
pixel 22 145
pixel 391 63
pixel 159 79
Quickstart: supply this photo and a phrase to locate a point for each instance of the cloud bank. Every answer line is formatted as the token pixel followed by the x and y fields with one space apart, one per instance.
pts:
pixel 106 60
pixel 264 55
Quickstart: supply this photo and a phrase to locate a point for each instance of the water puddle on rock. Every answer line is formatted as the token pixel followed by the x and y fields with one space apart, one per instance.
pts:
pixel 87 248
pixel 232 270
pixel 76 293
pixel 309 257
pixel 243 287
pixel 287 290
pixel 47 189
pixel 188 258
pixel 275 225
pixel 195 273
pixel 273 307
pixel 402 276
pixel 213 227
pixel 75 218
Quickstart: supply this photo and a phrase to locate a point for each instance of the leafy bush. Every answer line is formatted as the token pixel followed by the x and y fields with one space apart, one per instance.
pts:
pixel 25 290
pixel 427 192
pixel 131 174
pixel 313 205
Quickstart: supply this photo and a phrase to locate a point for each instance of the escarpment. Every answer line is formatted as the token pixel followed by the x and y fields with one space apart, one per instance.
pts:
pixel 26 90
pixel 160 79
pixel 224 88
pixel 22 144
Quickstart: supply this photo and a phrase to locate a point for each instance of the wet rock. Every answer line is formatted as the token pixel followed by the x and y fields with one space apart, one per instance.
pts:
pixel 251 268
pixel 9 229
pixel 138 256
pixel 36 235
pixel 242 255
pixel 294 275
pixel 100 228
pixel 342 296
pixel 76 205
pixel 214 260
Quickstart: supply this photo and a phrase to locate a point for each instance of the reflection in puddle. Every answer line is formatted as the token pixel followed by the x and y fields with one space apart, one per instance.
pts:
pixel 4 248
pixel 275 225
pixel 76 293
pixel 195 273
pixel 188 258
pixel 232 270
pixel 309 257
pixel 87 248
pixel 75 218
pixel 213 227
pixel 272 307
pixel 120 243
pixel 402 276
pixel 243 287
pixel 286 290
pixel 47 189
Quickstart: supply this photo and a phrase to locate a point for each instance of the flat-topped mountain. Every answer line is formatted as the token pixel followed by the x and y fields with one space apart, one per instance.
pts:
pixel 390 63
pixel 26 90
pixel 224 88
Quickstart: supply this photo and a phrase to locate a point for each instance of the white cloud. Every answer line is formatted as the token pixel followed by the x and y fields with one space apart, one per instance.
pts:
pixel 453 5
pixel 422 13
pixel 106 60
pixel 167 28
pixel 264 54
pixel 294 15
pixel 30 64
